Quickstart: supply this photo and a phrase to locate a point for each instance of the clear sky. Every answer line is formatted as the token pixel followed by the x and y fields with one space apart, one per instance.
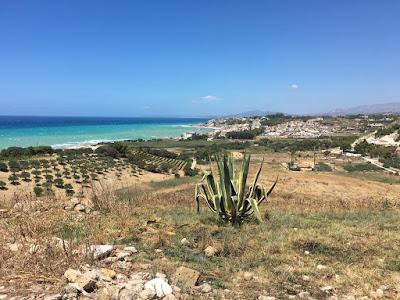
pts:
pixel 196 58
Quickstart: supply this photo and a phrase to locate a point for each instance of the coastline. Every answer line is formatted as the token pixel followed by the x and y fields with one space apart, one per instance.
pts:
pixel 69 133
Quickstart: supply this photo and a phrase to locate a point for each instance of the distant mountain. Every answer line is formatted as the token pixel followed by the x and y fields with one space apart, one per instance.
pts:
pixel 369 109
pixel 250 113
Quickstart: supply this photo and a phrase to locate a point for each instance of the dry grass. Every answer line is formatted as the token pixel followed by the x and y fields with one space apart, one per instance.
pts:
pixel 349 225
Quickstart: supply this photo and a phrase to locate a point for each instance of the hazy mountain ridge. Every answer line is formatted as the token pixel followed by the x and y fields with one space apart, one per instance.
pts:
pixel 393 107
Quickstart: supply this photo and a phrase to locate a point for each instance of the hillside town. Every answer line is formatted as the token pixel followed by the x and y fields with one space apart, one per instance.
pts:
pixel 283 126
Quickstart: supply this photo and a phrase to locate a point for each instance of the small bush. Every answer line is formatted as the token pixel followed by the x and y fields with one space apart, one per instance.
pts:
pixel 38 191
pixel 2 185
pixel 364 167
pixel 322 167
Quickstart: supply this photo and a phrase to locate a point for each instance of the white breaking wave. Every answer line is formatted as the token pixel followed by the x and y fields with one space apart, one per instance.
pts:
pixel 77 145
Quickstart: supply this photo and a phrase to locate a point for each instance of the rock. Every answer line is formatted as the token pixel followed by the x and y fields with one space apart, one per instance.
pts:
pixel 170 297
pixel 379 293
pixel 185 242
pixel 147 294
pixel 261 297
pixel 205 288
pixel 158 251
pixel 248 276
pixel 111 259
pixel 70 205
pixel 53 297
pixel 100 251
pixel 72 275
pixel 307 252
pixel 74 201
pixel 160 275
pixel 327 289
pixel 304 295
pixel 121 255
pixel 210 251
pixel 80 207
pixel 185 277
pixel 3 296
pixel 306 278
pixel 107 274
pixel 14 247
pixel 84 281
pixel 321 267
pixel 130 249
pixel 159 286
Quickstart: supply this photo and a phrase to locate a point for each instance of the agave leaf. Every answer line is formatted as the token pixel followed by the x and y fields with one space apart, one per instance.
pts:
pixel 256 178
pixel 254 206
pixel 272 186
pixel 244 171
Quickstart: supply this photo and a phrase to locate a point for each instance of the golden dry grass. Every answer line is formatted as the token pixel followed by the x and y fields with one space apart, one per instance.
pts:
pixel 347 224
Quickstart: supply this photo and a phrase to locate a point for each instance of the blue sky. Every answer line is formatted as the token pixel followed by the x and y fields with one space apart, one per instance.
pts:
pixel 196 58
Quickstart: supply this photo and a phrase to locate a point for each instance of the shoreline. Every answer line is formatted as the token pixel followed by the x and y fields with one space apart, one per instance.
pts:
pixel 58 139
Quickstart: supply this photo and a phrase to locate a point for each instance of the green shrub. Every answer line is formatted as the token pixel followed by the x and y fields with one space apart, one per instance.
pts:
pixel 362 167
pixel 25 175
pixel 3 167
pixel 14 179
pixel 188 171
pixel 322 167
pixel 38 191
pixel 244 134
pixel 2 185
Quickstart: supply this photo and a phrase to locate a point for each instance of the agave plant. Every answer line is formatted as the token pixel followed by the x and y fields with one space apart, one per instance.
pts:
pixel 228 195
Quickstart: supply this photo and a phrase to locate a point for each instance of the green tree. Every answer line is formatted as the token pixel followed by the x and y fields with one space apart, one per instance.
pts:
pixel 14 179
pixel 36 173
pixel 3 167
pixel 59 183
pixel 14 166
pixel 25 175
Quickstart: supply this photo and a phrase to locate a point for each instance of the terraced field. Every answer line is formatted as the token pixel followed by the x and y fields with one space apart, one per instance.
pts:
pixel 164 163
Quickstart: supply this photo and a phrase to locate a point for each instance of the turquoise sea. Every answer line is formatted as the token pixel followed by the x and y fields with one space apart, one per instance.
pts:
pixel 67 132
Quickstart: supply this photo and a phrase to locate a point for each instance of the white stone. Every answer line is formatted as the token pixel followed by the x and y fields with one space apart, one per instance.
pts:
pixel 205 288
pixel 185 241
pixel 306 278
pixel 307 252
pixel 248 275
pixel 303 295
pixel 72 275
pixel 161 275
pixel 121 255
pixel 327 289
pixel 321 267
pixel 100 251
pixel 210 251
pixel 159 286
pixel 79 207
pixel 14 247
pixel 262 297
pixel 131 249
pixel 53 297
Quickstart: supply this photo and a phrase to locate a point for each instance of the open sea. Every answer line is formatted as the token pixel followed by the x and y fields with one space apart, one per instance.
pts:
pixel 69 132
